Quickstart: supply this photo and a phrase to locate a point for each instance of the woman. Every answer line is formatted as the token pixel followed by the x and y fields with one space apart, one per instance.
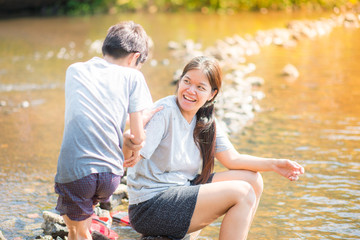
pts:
pixel 167 196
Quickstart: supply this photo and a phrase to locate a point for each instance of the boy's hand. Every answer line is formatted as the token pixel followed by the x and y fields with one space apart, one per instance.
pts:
pixel 147 114
pixel 129 144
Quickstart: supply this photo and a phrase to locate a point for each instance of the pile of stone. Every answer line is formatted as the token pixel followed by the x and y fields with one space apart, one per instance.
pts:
pixel 238 102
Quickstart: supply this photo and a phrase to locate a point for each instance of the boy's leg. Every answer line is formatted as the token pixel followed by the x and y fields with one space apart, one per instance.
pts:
pixel 75 204
pixel 77 199
pixel 106 186
pixel 78 230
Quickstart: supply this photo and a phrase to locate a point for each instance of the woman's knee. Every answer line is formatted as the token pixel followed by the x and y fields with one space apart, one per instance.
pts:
pixel 243 193
pixel 253 178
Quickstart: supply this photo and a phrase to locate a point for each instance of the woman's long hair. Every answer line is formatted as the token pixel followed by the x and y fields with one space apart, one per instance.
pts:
pixel 205 128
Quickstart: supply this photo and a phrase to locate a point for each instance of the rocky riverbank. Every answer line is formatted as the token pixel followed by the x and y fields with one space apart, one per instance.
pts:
pixel 238 101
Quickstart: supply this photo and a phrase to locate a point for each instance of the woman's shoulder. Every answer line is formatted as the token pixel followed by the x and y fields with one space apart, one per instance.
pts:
pixel 169 107
pixel 168 103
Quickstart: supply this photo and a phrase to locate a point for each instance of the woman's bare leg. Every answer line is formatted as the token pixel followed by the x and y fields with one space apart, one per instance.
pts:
pixel 78 230
pixel 236 199
pixel 253 178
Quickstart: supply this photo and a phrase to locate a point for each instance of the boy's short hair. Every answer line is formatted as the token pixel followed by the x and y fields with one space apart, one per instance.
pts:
pixel 125 38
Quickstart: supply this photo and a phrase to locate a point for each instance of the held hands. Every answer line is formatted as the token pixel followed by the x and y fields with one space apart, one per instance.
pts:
pixel 135 148
pixel 289 169
pixel 130 162
pixel 135 156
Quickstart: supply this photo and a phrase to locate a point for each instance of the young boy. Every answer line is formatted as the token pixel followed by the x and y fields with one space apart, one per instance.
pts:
pixel 99 94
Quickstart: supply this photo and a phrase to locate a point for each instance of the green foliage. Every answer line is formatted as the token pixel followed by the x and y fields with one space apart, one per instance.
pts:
pixel 86 7
pixel 81 7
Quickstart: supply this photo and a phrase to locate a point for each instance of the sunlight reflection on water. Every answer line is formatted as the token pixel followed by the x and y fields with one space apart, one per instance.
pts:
pixel 313 119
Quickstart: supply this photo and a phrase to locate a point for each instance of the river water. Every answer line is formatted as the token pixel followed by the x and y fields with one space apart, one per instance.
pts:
pixel 314 119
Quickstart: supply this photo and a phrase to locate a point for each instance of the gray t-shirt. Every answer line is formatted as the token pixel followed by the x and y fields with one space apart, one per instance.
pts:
pixel 98 96
pixel 171 157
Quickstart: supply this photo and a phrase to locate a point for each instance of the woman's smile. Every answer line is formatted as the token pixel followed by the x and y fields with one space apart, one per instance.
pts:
pixel 193 92
pixel 189 98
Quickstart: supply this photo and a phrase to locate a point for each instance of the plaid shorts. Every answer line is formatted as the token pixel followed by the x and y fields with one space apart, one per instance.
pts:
pixel 76 199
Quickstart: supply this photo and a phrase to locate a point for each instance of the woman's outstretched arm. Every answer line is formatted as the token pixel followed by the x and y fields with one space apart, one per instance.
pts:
pixel 231 159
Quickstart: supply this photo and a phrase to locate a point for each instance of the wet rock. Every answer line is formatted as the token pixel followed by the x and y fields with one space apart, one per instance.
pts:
pixel 54 225
pixel 55 230
pixel 290 71
pixel 172 45
pixel 123 180
pixel 255 81
pixel 98 236
pixel 103 213
pixel 48 237
pixel 176 76
pixel 165 62
pixel 53 218
pixel 153 62
pixel 25 104
pixel 119 194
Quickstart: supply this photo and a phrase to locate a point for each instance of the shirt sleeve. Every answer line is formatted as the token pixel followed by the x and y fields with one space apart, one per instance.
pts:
pixel 155 130
pixel 140 97
pixel 222 141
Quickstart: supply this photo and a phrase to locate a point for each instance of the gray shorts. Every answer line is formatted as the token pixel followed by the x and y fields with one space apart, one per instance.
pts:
pixel 168 214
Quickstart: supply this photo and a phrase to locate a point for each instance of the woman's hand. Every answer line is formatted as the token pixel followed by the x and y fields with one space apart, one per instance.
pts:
pixel 131 151
pixel 147 114
pixel 130 162
pixel 289 169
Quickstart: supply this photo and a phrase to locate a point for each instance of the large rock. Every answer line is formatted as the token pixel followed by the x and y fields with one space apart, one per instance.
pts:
pixel 54 225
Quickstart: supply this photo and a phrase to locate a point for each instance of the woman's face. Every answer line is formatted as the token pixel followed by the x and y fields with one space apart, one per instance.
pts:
pixel 193 92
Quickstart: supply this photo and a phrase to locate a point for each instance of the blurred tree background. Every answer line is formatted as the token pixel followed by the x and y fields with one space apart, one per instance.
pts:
pixel 86 7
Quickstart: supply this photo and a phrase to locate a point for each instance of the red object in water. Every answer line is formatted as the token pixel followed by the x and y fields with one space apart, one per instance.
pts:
pixel 100 224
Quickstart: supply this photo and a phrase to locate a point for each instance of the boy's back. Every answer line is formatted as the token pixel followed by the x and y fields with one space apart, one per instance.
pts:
pixel 98 97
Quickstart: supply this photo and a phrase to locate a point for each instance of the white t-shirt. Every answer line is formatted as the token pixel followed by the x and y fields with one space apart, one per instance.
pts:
pixel 171 157
pixel 98 97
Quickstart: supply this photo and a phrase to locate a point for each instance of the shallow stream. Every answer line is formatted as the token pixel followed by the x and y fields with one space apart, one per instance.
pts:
pixel 314 119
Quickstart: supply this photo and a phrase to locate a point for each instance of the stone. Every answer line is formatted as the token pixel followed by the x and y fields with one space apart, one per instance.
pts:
pixel 54 225
pixel 52 217
pixel 119 194
pixel 290 71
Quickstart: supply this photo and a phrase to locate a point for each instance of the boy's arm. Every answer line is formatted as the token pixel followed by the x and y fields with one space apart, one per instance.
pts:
pixel 132 142
pixel 147 114
pixel 136 132
pixel 129 148
pixel 137 127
